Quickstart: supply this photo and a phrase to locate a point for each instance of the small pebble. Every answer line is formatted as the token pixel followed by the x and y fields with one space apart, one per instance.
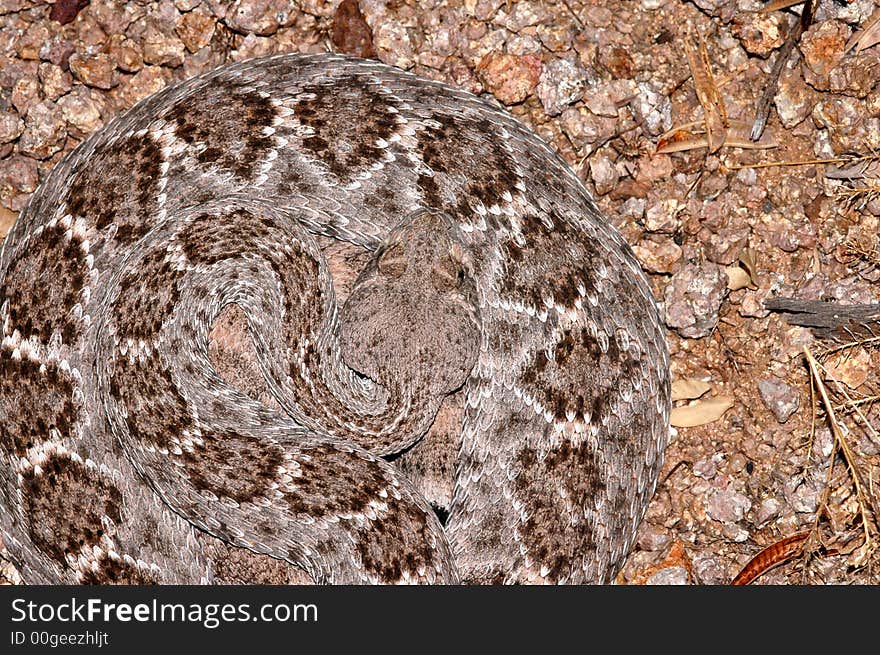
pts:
pixel 781 399
pixel 162 48
pixel 822 47
pixel 563 81
pixel 195 30
pixel 671 575
pixel 708 571
pixel 44 131
pixel 261 17
pixel 693 299
pixel 727 505
pixel 510 78
pixel 767 510
pixel 98 70
pixel 705 468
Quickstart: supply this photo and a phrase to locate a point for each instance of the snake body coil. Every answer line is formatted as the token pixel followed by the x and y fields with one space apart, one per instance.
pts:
pixel 487 270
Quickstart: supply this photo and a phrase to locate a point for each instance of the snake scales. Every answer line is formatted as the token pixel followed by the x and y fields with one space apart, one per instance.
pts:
pixel 484 268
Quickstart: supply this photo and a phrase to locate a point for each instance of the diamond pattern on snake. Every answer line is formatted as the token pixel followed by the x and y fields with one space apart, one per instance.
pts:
pixel 312 318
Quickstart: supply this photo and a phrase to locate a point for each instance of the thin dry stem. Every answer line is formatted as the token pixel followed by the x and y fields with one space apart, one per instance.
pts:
pixel 808 162
pixel 816 370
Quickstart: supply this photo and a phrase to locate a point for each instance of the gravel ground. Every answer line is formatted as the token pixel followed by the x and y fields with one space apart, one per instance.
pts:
pixel 601 80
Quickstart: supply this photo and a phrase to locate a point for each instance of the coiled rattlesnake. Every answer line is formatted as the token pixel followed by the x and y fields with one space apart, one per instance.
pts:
pixel 488 268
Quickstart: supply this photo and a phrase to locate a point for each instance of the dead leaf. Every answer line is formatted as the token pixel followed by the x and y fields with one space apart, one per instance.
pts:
pixel 861 555
pixel 700 412
pixel 737 278
pixel 676 557
pixel 748 260
pixel 689 388
pixel 867 168
pixel 866 37
pixel 850 369
pixel 688 136
pixel 771 556
pixel 738 136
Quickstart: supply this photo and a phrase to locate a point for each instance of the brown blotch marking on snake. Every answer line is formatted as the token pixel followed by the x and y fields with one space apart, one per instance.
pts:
pixel 347 117
pixel 548 262
pixel 507 340
pixel 210 239
pixel 32 403
pixel 579 377
pixel 396 542
pixel 119 185
pixel 115 571
pixel 64 505
pixel 293 182
pixel 232 465
pixel 227 119
pixel 470 165
pixel 384 197
pixel 43 283
pixel 147 295
pixel 298 272
pixel 240 566
pixel 334 482
pixel 493 534
pixel 554 490
pixel 156 411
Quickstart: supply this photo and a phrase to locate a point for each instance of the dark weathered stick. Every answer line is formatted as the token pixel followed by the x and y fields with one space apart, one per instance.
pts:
pixel 830 320
pixel 763 112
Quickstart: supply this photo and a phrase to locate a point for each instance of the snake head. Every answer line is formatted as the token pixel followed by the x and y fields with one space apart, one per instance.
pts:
pixel 412 318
